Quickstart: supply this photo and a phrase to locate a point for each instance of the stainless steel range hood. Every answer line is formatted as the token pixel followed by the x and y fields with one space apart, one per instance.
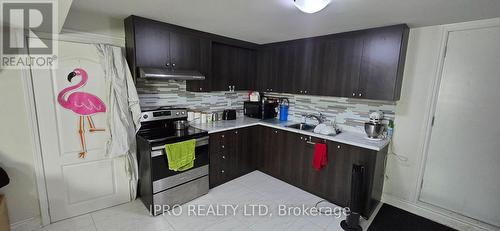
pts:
pixel 168 74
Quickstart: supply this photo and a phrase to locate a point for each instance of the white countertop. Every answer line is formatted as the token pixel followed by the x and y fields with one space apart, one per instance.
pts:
pixel 347 137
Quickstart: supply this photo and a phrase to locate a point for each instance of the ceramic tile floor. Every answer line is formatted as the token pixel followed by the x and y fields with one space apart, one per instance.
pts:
pixel 252 189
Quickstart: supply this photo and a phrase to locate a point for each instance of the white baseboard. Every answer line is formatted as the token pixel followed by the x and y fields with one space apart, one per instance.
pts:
pixel 446 218
pixel 31 224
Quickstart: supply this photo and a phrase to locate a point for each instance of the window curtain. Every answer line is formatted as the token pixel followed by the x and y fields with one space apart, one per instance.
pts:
pixel 123 117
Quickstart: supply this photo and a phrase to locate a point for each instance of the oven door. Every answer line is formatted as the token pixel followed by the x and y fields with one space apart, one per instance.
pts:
pixel 163 178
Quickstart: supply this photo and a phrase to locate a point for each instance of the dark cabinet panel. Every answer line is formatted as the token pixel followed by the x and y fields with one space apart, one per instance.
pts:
pixel 383 62
pixel 185 51
pixel 336 62
pixel 293 66
pixel 231 154
pixel 152 44
pixel 232 66
pixel 204 68
pixel 266 79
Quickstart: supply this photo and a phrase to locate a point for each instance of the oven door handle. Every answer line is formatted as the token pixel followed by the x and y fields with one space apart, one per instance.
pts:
pixel 157 150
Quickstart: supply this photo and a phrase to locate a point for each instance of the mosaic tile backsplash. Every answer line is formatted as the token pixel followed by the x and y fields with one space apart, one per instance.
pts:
pixel 346 112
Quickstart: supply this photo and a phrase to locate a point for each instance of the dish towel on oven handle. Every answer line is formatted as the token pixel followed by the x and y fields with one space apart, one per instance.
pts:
pixel 319 156
pixel 180 155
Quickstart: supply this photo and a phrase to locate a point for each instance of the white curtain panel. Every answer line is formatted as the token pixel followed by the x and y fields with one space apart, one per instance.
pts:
pixel 123 117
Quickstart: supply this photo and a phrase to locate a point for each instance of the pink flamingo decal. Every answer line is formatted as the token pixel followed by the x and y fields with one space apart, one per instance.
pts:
pixel 83 104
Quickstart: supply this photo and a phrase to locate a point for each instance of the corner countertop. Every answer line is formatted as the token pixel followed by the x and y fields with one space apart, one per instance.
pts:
pixel 347 137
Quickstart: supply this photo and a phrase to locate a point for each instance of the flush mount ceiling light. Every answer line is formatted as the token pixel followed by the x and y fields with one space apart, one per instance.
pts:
pixel 311 6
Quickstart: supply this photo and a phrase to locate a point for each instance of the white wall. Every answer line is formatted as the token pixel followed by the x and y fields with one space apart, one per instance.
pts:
pixel 94 23
pixel 16 154
pixel 405 163
pixel 409 133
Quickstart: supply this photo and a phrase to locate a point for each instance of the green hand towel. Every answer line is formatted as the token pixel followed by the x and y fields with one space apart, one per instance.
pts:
pixel 180 155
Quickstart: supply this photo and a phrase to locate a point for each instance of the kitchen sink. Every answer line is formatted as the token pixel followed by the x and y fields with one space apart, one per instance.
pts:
pixel 301 126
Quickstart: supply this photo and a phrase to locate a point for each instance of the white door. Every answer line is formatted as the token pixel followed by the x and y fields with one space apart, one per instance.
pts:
pixel 462 172
pixel 79 176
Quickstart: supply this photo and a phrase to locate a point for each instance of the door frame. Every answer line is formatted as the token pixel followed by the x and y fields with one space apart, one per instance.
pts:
pixel 30 106
pixel 429 114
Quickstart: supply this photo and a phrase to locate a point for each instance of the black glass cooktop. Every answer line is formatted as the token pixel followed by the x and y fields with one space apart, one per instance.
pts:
pixel 164 136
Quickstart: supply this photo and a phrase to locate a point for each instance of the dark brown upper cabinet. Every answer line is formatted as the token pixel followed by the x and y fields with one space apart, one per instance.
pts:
pixel 336 62
pixel 156 45
pixel 266 78
pixel 151 43
pixel 364 64
pixel 382 63
pixel 232 67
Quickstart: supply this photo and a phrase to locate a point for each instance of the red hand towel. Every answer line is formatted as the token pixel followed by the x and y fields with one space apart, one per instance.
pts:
pixel 319 156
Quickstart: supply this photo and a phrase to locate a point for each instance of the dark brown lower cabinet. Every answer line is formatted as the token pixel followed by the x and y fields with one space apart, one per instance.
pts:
pixel 231 154
pixel 288 156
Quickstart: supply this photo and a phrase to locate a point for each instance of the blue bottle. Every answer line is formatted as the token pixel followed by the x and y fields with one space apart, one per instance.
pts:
pixel 284 109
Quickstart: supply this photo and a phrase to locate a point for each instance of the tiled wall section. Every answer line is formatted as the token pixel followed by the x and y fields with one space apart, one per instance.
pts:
pixel 349 113
pixel 153 94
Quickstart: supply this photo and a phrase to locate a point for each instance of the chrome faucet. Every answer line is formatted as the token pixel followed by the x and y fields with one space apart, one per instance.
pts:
pixel 320 118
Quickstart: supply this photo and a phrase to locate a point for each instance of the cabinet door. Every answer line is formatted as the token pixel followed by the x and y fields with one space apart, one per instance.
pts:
pixel 185 51
pixel 338 173
pixel 152 41
pixel 266 70
pixel 273 146
pixel 335 65
pixel 382 63
pixel 246 151
pixel 205 69
pixel 293 66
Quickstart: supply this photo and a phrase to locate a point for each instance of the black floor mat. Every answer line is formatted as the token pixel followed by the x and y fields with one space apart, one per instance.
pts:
pixel 390 218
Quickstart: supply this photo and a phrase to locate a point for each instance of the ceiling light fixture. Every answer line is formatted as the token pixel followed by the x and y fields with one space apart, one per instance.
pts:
pixel 311 6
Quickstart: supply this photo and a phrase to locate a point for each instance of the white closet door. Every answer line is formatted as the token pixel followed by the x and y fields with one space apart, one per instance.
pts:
pixel 462 173
pixel 76 185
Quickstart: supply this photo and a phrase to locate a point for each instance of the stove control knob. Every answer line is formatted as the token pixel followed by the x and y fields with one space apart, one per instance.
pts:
pixel 145 116
pixel 177 113
pixel 183 112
